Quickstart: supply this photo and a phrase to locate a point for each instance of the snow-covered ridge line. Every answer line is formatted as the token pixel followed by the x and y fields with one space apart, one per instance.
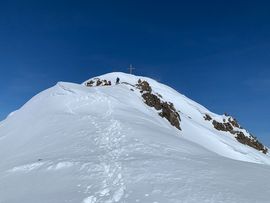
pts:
pixel 79 144
pixel 221 122
pixel 164 108
pixel 231 125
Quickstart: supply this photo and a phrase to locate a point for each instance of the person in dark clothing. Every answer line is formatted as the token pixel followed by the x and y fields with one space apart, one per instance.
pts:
pixel 117 80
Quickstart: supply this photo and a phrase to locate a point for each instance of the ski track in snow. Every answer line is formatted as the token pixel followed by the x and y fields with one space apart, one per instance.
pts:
pixel 109 140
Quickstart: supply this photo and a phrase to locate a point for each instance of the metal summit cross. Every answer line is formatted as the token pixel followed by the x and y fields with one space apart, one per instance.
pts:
pixel 131 69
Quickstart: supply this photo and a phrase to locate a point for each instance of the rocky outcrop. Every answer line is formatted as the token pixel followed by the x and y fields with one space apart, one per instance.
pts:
pixel 152 100
pixel 167 109
pixel 207 117
pixel 170 113
pixel 222 126
pixel 144 86
pixel 252 142
pixel 232 126
pixel 98 82
pixel 234 122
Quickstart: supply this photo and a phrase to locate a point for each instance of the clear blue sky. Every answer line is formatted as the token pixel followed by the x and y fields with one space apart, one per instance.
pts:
pixel 215 52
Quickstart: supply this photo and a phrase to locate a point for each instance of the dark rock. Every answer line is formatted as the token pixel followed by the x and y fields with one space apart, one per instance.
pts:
pixel 153 100
pixel 90 83
pixel 207 117
pixel 144 86
pixel 227 127
pixel 106 83
pixel 170 114
pixel 265 150
pixel 240 136
pixel 219 126
pixel 99 82
pixel 254 143
pixel 234 122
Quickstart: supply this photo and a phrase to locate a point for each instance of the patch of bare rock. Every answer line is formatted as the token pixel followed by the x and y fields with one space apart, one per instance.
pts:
pixel 98 82
pixel 167 109
pixel 232 126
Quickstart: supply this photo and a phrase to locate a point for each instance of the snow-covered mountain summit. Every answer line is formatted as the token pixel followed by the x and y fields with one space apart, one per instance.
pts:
pixel 136 141
pixel 214 129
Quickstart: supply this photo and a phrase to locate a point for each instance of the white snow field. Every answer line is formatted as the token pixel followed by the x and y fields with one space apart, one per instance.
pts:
pixel 73 143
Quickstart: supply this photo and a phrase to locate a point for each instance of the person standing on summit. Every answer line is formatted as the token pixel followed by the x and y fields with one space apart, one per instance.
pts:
pixel 117 80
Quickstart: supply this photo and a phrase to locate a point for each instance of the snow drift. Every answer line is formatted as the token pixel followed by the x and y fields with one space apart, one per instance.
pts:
pixel 101 142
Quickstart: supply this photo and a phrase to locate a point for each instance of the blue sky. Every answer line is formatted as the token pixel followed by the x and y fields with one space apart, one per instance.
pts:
pixel 215 52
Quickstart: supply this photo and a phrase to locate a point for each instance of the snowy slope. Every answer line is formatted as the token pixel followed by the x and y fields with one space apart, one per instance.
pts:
pixel 194 126
pixel 73 143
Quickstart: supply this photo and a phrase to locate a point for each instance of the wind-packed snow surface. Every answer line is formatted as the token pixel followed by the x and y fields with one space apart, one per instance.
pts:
pixel 73 143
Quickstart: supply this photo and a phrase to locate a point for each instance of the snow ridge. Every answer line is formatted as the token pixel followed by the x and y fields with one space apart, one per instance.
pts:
pixel 105 144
